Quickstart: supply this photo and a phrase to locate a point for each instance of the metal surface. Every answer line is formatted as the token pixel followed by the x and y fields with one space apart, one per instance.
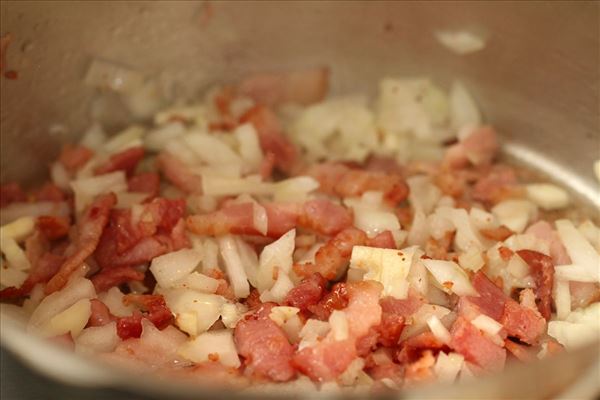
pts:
pixel 537 80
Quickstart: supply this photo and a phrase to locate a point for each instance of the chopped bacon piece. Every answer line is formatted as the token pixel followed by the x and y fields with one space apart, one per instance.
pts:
pixel 500 183
pixel 307 293
pixel 584 293
pixel 420 370
pixel 476 347
pixel 11 193
pixel 499 234
pixel 271 137
pixel 383 240
pixel 542 270
pixel 302 87
pixel 160 229
pixel 264 346
pixel 387 165
pixel 126 160
pixel 325 217
pixel 253 299
pixel 543 230
pixel 89 231
pixel 145 182
pixel 100 314
pixel 179 174
pixel 50 192
pixel 267 165
pixel 412 348
pixel 332 256
pixel 53 227
pixel 523 323
pixel 74 157
pixel 451 182
pixel 337 299
pixel 394 314
pixel 155 310
pixel 505 253
pixel 329 358
pixel 478 148
pixel 110 277
pixel 338 179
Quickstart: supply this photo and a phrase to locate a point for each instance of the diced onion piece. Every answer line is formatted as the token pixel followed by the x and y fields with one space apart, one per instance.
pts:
pixel 460 42
pixel 194 312
pixel 419 230
pixel 547 196
pixel 276 255
pixel 233 266
pixel 157 139
pixel 312 331
pixel 472 259
pixel 59 175
pixel 259 218
pixel 209 344
pixel 113 299
pixel 279 290
pixel 197 281
pixel 418 276
pixel 86 189
pixel 388 266
pixel 515 214
pixel 373 222
pixel 562 298
pixel 125 139
pixel 53 304
pixel 339 325
pixel 466 234
pixel 194 113
pixel 14 254
pixel 423 194
pixel 582 253
pixel 231 313
pixel 482 219
pixel 294 189
pixel 249 147
pixel 11 276
pixel 97 339
pixel 72 320
pixel 439 224
pixel 581 327
pixel 18 229
pixel 591 232
pixel 448 366
pixel 211 255
pixel 450 277
pixel 517 267
pixel 280 314
pixel 352 372
pixel 417 322
pixel 175 266
pixel 463 109
pixel 211 149
pixel 573 272
pixel 15 211
pixel 94 137
pixel 597 169
pixel 487 324
pixel 527 241
pixel 439 330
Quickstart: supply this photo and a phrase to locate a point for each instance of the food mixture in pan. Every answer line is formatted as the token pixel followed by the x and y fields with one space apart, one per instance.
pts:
pixel 267 236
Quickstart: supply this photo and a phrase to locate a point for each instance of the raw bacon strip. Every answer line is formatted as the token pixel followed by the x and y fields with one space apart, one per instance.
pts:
pixel 307 293
pixel 179 174
pixel 53 227
pixel 90 229
pixel 145 182
pixel 264 346
pixel 340 180
pixel 475 347
pixel 302 87
pixel 542 270
pixel 74 157
pixel 127 160
pixel 11 193
pixel 110 277
pixel 329 358
pixel 332 256
pixel 270 135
